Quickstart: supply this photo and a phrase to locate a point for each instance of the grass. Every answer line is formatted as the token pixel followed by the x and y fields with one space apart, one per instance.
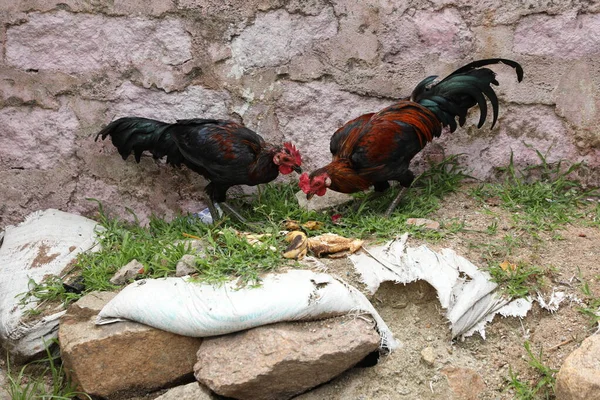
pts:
pixel 517 280
pixel 542 197
pixel 544 203
pixel 43 379
pixel 278 203
pixel 545 385
pixel 591 309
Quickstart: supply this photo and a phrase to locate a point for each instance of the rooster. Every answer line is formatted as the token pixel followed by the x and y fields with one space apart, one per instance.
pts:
pixel 376 148
pixel 224 152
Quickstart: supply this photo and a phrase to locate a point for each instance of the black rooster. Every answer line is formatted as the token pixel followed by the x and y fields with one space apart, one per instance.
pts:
pixel 224 152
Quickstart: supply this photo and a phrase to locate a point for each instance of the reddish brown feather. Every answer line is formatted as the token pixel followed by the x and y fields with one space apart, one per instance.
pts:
pixel 424 122
pixel 225 145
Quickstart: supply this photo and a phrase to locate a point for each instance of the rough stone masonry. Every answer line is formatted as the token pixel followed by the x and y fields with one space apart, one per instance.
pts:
pixel 286 68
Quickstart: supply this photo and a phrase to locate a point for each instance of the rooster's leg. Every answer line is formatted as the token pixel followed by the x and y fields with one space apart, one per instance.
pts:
pixel 232 212
pixel 395 203
pixel 213 210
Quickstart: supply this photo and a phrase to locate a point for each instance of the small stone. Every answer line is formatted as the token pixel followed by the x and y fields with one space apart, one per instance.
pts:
pixel 127 272
pixel 579 376
pixel 192 246
pixel 186 266
pixel 428 356
pixel 424 222
pixel 318 203
pixel 191 391
pixel 465 383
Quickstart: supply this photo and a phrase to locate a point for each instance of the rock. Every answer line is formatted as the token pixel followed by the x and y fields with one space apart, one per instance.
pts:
pixel 581 109
pixel 579 376
pixel 192 246
pixel 294 32
pixel 127 272
pixel 54 139
pixel 567 36
pixel 281 360
pixel 192 102
pixel 41 42
pixel 424 222
pixel 428 356
pixel 465 383
pixel 186 266
pixel 191 391
pixel 112 361
pixel 318 203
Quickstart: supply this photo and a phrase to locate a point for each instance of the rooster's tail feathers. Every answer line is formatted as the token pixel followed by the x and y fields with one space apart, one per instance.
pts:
pixel 464 88
pixel 133 134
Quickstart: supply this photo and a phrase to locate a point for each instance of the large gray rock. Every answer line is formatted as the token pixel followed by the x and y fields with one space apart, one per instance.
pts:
pixel 114 361
pixel 579 376
pixel 276 362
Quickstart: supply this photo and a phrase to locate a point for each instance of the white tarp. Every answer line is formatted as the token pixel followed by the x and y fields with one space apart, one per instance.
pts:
pixel 190 308
pixel 44 244
pixel 467 293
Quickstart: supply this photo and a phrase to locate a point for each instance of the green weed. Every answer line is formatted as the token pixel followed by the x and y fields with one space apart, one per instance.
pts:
pixel 545 385
pixel 542 197
pixel 276 203
pixel 591 309
pixel 517 280
pixel 41 379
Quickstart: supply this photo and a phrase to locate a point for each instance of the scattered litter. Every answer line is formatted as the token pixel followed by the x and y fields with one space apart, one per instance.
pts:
pixel 325 245
pixel 467 293
pixel 298 245
pixel 205 216
pixel 332 245
pixel 553 301
pixel 189 308
pixel 292 225
pixel 506 265
pixel 254 239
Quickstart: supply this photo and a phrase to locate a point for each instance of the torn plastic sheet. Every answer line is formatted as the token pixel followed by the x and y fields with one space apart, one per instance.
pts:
pixel 467 293
pixel 46 243
pixel 190 308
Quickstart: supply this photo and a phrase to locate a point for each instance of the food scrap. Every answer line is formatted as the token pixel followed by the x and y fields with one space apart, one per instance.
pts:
pixel 298 245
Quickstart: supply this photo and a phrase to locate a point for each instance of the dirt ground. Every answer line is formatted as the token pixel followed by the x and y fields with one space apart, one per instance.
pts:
pixel 475 368
pixel 415 317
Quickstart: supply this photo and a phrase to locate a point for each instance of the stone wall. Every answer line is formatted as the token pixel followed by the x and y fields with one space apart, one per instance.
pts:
pixel 287 68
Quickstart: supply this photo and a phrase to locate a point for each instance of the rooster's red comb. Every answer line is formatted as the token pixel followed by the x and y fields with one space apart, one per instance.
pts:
pixel 293 152
pixel 304 183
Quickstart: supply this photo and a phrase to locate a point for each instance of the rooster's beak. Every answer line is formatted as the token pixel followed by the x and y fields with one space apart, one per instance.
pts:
pixel 297 169
pixel 309 196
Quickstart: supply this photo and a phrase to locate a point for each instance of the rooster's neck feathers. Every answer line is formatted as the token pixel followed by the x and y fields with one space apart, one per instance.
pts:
pixel 344 177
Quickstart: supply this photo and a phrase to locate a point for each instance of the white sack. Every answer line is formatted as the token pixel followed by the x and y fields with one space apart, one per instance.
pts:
pixel 467 293
pixel 44 244
pixel 188 308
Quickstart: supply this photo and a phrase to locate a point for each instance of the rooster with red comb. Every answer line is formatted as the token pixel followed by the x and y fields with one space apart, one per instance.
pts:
pixel 224 152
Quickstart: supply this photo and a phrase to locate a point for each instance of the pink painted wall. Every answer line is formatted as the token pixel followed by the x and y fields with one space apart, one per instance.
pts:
pixel 288 69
